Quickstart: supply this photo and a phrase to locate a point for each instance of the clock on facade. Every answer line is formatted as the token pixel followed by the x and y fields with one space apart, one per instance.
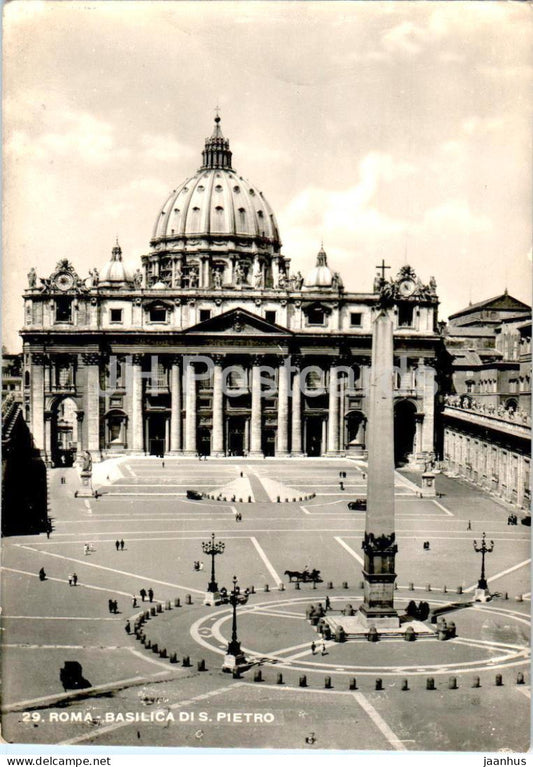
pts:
pixel 64 281
pixel 406 288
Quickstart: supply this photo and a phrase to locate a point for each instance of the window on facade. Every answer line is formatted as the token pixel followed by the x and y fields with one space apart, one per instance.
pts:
pixel 470 387
pixel 405 315
pixel 64 309
pixel 316 316
pixel 270 316
pixel 356 319
pixel 116 315
pixel 158 314
pixel 205 314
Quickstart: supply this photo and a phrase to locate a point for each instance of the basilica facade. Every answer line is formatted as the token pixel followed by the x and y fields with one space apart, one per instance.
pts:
pixel 215 346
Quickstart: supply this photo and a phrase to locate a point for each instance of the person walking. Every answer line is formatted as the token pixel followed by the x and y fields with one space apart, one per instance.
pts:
pixel 42 574
pixel 134 601
pixel 142 592
pixel 115 606
pixel 70 580
pixel 122 545
pixel 328 604
pixel 127 628
pixel 85 548
pixel 324 651
pixel 74 579
pixel 110 605
pixel 150 594
pixel 313 648
pixel 117 545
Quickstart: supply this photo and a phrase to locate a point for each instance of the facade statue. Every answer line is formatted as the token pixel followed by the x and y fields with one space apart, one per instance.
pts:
pixel 178 277
pixel 32 277
pixel 86 461
pixel 432 286
pixel 282 282
pixel 259 280
pixel 138 279
pixel 239 274
pixel 193 277
pixel 95 277
pixel 336 281
pixel 217 278
pixel 299 281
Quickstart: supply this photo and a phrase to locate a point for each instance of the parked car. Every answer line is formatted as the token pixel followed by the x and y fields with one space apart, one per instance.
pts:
pixel 526 520
pixel 194 495
pixel 358 505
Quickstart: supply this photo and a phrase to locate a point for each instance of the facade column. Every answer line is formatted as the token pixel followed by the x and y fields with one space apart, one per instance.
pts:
pixel 282 446
pixel 428 442
pixel 190 410
pixel 255 415
pixel 417 447
pixel 92 401
pixel 48 437
pixel 175 406
pixel 38 362
pixel 217 444
pixel 296 437
pixel 136 404
pixel 333 411
pixel 79 431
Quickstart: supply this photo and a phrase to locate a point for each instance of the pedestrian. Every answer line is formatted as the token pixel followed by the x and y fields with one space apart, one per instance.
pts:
pixel 48 530
pixel 150 594
pixel 313 647
pixel 115 606
pixel 324 651
pixel 162 464
pixel 74 579
pixel 134 601
pixel 70 580
pixel 110 605
pixel 117 545
pixel 328 604
pixel 127 628
pixel 42 574
pixel 85 548
pixel 122 545
pixel 200 565
pixel 469 525
pixel 142 592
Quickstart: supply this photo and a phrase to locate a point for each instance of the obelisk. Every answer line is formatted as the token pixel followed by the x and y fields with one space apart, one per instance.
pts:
pixel 379 542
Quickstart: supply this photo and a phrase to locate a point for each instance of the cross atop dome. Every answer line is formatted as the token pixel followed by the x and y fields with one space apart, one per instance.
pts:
pixel 216 153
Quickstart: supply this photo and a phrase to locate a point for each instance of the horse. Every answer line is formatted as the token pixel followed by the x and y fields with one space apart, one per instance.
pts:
pixel 293 574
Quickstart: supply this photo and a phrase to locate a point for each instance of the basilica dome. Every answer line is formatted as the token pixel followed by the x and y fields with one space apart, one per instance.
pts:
pixel 216 202
pixel 114 272
pixel 321 275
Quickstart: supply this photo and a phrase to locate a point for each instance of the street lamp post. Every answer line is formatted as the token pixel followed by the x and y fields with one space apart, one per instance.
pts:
pixel 482 591
pixel 211 549
pixel 234 655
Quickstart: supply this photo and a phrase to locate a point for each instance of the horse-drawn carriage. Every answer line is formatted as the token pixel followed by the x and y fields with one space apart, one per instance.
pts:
pixel 305 576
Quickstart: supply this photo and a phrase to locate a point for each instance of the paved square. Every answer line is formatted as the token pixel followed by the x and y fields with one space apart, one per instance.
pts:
pixel 137 696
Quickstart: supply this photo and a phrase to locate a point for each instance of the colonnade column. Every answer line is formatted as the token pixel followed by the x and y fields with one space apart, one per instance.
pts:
pixel 333 411
pixel 190 410
pixel 217 445
pixel 79 431
pixel 175 406
pixel 255 415
pixel 428 445
pixel 38 362
pixel 283 409
pixel 48 437
pixel 91 361
pixel 136 404
pixel 296 437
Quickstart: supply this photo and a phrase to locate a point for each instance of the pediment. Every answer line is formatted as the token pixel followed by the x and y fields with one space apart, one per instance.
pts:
pixel 238 322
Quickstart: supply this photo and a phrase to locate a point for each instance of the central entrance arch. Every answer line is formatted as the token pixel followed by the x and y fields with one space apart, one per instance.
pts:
pixel 236 425
pixel 64 432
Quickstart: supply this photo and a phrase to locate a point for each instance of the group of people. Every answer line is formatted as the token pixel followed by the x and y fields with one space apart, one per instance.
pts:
pixel 73 580
pixel 150 594
pixel 119 545
pixel 113 606
pixel 323 649
pixel 198 565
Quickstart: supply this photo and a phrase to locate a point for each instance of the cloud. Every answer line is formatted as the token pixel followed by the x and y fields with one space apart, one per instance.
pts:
pixel 454 216
pixel 165 148
pixel 405 37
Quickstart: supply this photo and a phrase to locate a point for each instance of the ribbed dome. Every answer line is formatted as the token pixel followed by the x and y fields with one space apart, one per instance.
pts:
pixel 321 276
pixel 114 271
pixel 216 201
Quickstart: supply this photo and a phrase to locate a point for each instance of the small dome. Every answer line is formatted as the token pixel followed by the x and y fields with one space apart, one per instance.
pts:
pixel 321 276
pixel 114 271
pixel 159 286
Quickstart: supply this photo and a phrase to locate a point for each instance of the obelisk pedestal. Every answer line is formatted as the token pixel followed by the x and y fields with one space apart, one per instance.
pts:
pixel 379 543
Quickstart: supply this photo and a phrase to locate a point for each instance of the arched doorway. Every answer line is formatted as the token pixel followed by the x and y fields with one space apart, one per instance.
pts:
pixel 64 432
pixel 116 429
pixel 404 431
pixel 157 431
pixel 204 440
pixel 314 433
pixel 355 432
pixel 236 425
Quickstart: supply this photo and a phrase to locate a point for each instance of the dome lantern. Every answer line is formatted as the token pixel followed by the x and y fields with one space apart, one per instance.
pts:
pixel 114 273
pixel 321 276
pixel 216 153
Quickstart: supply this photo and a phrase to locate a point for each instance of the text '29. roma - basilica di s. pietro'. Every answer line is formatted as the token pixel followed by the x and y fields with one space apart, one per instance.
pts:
pixel 215 346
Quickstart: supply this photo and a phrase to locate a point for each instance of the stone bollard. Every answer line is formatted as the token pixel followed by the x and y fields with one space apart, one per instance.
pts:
pixel 142 638
pixel 148 644
pixel 315 617
pixel 297 585
pixel 152 611
pixel 177 602
pixel 168 606
pixel 520 678
pixel 186 662
pixel 267 587
pixel 361 584
pixel 410 634
pixel 146 615
pixel 506 595
pixel 411 587
pixel 281 587
pixel 329 585
pixel 452 630
pixel 372 635
pixel 452 683
pixel 353 684
pixel 252 589
pixel 155 647
pixel 249 499
pixel 459 589
pixel 476 682
pixel 405 684
pixel 236 673
pixel 302 682
pixel 327 683
pixel 428 586
pixel 379 684
pixel 499 680
pixel 326 633
pixel 174 658
pixel 344 584
pixel 159 608
pixel 188 599
pixel 340 634
pixel 430 683
pixel 278 499
pixel 444 590
pixel 258 676
pixel 314 584
pixel 279 678
pixel 201 665
pixel 163 653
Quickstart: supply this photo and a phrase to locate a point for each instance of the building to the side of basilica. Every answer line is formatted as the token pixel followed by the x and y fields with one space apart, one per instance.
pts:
pixel 215 346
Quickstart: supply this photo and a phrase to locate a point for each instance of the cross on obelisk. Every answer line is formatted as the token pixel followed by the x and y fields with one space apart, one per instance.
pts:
pixel 379 543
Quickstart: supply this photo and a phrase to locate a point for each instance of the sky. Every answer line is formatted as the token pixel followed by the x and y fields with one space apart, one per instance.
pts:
pixel 386 130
